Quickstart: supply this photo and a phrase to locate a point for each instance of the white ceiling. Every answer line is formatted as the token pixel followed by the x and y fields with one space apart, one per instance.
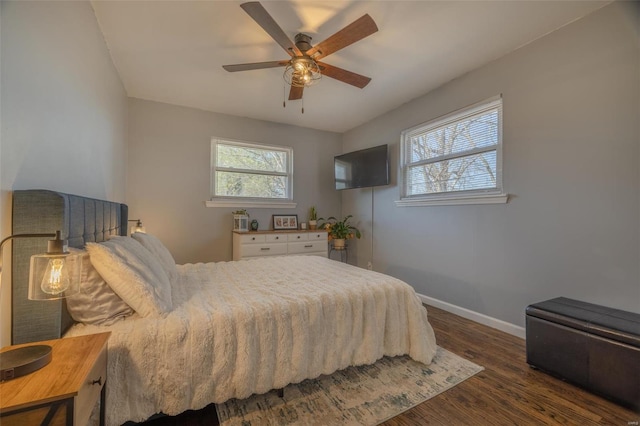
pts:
pixel 173 51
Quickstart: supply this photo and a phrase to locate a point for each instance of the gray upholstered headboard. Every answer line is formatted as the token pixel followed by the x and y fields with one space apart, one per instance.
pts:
pixel 81 220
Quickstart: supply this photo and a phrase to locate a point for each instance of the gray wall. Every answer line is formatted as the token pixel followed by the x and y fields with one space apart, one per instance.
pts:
pixel 64 111
pixel 169 175
pixel 571 165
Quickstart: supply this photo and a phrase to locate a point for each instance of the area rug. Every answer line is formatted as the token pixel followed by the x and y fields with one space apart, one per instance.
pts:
pixel 365 395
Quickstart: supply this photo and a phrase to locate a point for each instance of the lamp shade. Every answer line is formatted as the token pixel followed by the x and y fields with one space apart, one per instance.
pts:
pixel 138 227
pixel 54 276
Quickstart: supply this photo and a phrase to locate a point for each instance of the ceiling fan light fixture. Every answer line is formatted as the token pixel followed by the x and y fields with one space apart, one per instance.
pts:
pixel 302 71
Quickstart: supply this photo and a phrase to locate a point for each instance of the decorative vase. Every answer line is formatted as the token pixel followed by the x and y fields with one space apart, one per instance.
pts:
pixel 312 224
pixel 338 243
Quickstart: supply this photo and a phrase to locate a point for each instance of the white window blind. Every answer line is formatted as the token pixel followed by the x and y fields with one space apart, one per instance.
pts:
pixel 459 154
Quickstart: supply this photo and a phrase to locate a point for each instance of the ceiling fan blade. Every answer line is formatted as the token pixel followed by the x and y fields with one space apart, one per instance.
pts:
pixel 262 17
pixel 254 66
pixel 343 75
pixel 295 93
pixel 355 31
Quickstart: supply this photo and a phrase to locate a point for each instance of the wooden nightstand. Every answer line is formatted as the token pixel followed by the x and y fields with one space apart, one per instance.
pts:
pixel 63 392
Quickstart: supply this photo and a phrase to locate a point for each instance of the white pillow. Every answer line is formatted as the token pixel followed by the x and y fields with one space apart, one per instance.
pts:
pixel 155 246
pixel 134 274
pixel 96 303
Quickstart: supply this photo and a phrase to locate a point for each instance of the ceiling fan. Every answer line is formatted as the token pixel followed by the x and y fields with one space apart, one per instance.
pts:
pixel 304 67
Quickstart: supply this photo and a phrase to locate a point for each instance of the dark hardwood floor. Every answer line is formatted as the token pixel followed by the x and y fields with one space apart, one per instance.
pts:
pixel 507 392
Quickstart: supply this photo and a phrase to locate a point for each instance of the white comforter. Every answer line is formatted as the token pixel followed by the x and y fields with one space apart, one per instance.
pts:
pixel 239 328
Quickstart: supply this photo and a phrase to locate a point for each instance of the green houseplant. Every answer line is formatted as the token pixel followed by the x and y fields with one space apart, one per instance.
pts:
pixel 313 217
pixel 339 230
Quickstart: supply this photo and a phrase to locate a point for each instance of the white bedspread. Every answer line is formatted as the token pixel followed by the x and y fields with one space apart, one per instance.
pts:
pixel 247 327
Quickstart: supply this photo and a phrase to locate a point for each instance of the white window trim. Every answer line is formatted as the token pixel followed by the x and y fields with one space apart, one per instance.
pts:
pixel 499 198
pixel 274 203
pixel 488 196
pixel 251 204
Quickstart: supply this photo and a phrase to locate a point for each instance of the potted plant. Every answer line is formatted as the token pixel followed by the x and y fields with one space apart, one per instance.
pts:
pixel 313 218
pixel 340 230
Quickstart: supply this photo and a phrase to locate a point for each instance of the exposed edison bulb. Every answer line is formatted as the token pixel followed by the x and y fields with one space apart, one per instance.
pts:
pixel 56 277
pixel 299 66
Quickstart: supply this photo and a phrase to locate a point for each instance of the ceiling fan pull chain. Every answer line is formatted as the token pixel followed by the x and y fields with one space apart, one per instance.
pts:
pixel 284 96
pixel 303 105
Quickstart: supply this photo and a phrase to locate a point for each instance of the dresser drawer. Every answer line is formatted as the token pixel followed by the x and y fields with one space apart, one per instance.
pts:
pixel 298 237
pixel 90 391
pixel 319 236
pixel 254 250
pixel 276 238
pixel 307 247
pixel 251 239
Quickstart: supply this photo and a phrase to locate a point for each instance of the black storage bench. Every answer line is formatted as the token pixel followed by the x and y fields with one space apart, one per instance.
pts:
pixel 592 346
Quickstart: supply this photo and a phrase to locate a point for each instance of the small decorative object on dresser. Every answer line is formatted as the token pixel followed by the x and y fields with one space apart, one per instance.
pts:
pixel 240 220
pixel 313 218
pixel 281 222
pixel 254 225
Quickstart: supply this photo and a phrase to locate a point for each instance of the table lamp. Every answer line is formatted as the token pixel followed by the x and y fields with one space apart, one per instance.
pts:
pixel 52 275
pixel 138 227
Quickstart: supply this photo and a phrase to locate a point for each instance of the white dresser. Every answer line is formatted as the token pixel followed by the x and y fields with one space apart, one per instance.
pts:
pixel 279 243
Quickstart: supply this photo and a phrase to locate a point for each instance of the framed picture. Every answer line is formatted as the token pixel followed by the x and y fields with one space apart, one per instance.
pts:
pixel 287 221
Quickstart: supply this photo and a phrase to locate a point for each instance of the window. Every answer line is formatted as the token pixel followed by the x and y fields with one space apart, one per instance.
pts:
pixel 244 174
pixel 456 157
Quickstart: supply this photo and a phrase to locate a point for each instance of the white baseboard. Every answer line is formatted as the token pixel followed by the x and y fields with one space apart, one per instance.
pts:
pixel 507 327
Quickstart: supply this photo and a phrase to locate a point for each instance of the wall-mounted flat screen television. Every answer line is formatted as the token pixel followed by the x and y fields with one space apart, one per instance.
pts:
pixel 363 168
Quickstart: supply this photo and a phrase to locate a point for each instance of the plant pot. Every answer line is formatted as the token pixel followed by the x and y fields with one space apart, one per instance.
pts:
pixel 338 243
pixel 313 224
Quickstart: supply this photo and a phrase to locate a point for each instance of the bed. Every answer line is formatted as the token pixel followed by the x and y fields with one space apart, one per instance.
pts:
pixel 233 329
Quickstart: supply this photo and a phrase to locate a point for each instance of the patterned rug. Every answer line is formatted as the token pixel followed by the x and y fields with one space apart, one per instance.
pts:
pixel 365 395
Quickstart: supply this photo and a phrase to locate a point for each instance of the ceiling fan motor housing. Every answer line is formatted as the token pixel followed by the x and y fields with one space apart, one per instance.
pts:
pixel 303 42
